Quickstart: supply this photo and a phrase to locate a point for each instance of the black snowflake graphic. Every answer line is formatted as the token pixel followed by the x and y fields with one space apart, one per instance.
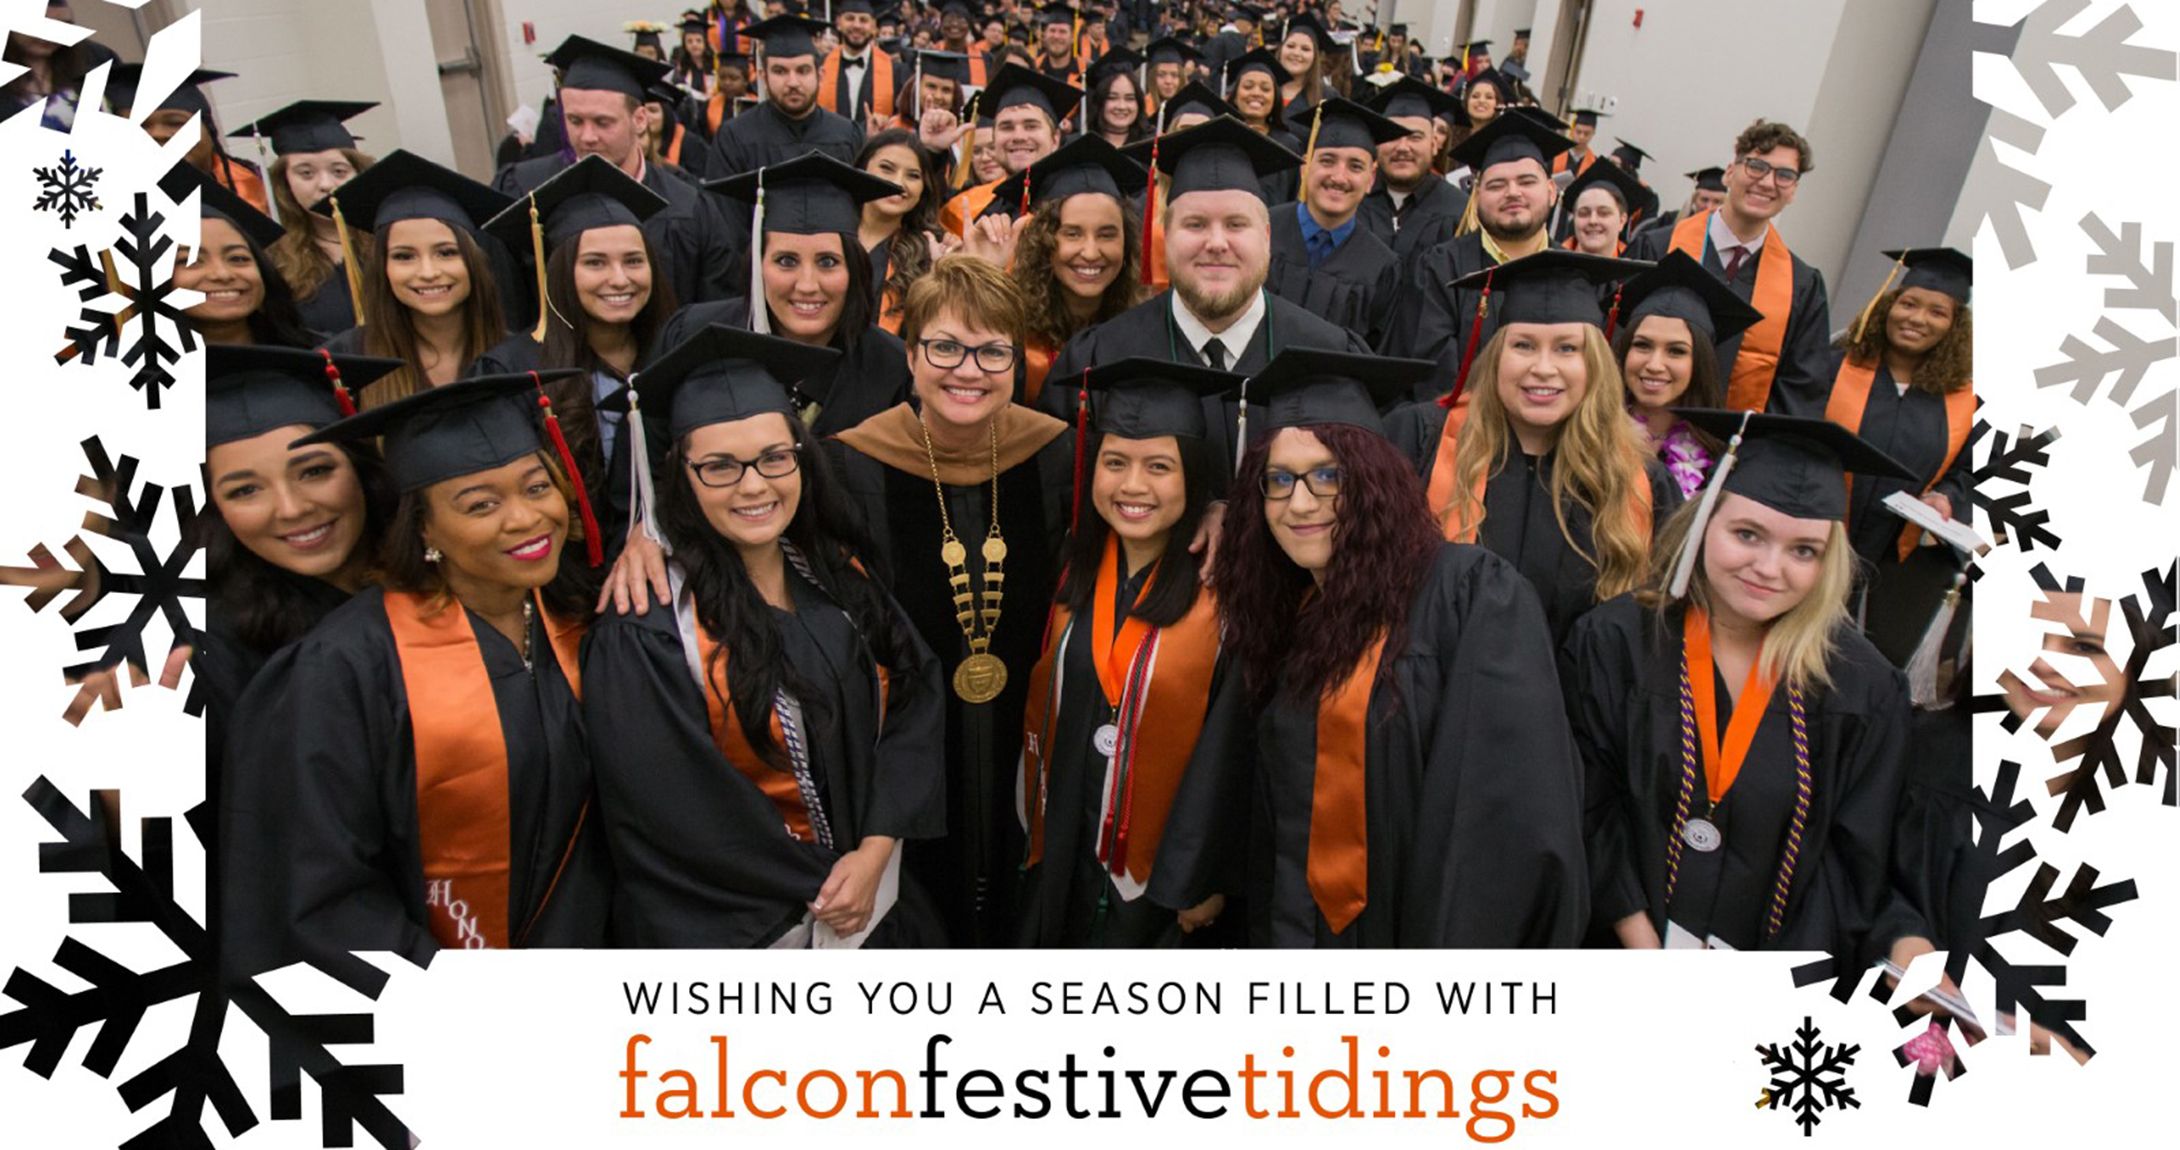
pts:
pixel 2010 461
pixel 2099 763
pixel 69 190
pixel 1808 1077
pixel 158 581
pixel 116 1000
pixel 143 277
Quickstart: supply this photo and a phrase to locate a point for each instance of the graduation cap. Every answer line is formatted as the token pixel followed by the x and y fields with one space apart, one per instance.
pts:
pixel 124 79
pixel 1263 60
pixel 589 66
pixel 1408 97
pixel 1305 386
pixel 1400 30
pixel 306 126
pixel 1539 116
pixel 1507 139
pixel 1249 12
pixel 1117 60
pixel 1708 179
pixel 1219 154
pixel 810 195
pixel 1553 286
pixel 786 36
pixel 1195 98
pixel 647 35
pixel 1796 467
pixel 1521 33
pixel 1169 50
pixel 1498 81
pixel 1084 164
pixel 1016 85
pixel 406 186
pixel 722 374
pixel 1476 47
pixel 1942 270
pixel 934 62
pixel 1678 287
pixel 1144 398
pixel 692 23
pixel 1619 179
pixel 1339 122
pixel 1588 117
pixel 852 7
pixel 1056 13
pixel 220 203
pixel 1308 22
pixel 250 390
pixel 1629 154
pixel 590 193
pixel 1513 71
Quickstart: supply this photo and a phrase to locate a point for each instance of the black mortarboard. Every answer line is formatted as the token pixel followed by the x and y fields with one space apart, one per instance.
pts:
pixel 809 195
pixel 1539 116
pixel 1793 465
pixel 1016 85
pixel 1168 50
pixel 1679 287
pixel 649 37
pixel 1256 59
pixel 1219 155
pixel 590 193
pixel 1144 398
pixel 1708 179
pixel 455 429
pixel 1942 270
pixel 250 390
pixel 586 65
pixel 785 36
pixel 1513 71
pixel 1117 60
pixel 1195 97
pixel 406 186
pixel 1588 117
pixel 1610 175
pixel 1491 76
pixel 1056 13
pixel 1084 164
pixel 1307 22
pixel 1629 154
pixel 307 126
pixel 862 7
pixel 691 24
pixel 1474 46
pixel 1339 122
pixel 1248 12
pixel 219 203
pixel 1303 386
pixel 125 79
pixel 956 7
pixel 1397 30
pixel 1552 286
pixel 1408 96
pixel 722 374
pixel 1509 138
pixel 945 65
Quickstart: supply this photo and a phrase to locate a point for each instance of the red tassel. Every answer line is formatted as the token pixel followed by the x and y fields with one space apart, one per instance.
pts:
pixel 1150 215
pixel 593 537
pixel 1468 353
pixel 340 390
pixel 1612 316
pixel 1082 432
pixel 1025 192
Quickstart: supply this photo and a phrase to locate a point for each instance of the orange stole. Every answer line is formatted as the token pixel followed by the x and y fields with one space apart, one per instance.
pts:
pixel 243 182
pixel 715 112
pixel 1160 281
pixel 1757 361
pixel 1441 490
pixel 672 152
pixel 1851 397
pixel 462 816
pixel 1036 364
pixel 1619 247
pixel 881 83
pixel 1338 869
pixel 1178 691
pixel 955 215
pixel 1559 162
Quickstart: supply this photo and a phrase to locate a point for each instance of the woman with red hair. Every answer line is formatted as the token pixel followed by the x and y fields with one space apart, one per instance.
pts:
pixel 1412 785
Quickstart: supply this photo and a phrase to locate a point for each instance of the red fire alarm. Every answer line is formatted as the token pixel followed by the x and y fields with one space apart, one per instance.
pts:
pixel 529 30
pixel 1638 18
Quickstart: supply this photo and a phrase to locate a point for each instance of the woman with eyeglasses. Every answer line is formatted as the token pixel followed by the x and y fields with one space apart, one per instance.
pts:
pixel 1411 785
pixel 766 745
pixel 965 493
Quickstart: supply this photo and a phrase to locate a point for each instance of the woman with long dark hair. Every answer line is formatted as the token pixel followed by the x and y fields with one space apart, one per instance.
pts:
pixel 693 60
pixel 1777 835
pixel 246 301
pixel 764 746
pixel 1535 458
pixel 1408 789
pixel 415 776
pixel 427 292
pixel 606 302
pixel 1117 104
pixel 1080 258
pixel 1667 350
pixel 1126 698
pixel 182 106
pixel 1303 47
pixel 1253 87
pixel 1904 382
pixel 899 231
pixel 313 155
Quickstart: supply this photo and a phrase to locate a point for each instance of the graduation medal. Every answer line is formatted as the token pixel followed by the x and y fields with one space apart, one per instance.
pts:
pixel 1702 834
pixel 981 676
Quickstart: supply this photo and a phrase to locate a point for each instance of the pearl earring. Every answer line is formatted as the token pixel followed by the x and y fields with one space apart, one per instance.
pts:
pixel 431 555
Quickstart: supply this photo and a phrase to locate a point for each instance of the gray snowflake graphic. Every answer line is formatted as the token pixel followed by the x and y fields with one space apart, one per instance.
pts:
pixel 2009 191
pixel 1808 1077
pixel 2102 55
pixel 69 190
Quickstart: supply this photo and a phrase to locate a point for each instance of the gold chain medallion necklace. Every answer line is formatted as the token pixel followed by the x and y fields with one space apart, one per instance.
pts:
pixel 982 676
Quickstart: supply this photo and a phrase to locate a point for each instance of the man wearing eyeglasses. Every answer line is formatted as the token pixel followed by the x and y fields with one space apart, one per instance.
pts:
pixel 1777 365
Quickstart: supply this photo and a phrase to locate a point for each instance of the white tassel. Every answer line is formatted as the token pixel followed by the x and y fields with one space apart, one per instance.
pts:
pixel 639 472
pixel 1241 428
pixel 1684 568
pixel 760 321
pixel 1922 667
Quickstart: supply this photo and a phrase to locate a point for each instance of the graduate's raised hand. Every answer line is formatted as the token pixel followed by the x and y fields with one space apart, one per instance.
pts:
pixel 874 122
pixel 993 238
pixel 940 130
pixel 844 903
pixel 636 575
pixel 1206 542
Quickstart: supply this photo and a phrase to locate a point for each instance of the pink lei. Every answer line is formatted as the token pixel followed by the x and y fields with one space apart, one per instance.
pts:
pixel 1682 452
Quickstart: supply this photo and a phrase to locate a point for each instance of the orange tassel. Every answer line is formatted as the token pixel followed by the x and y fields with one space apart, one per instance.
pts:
pixel 1150 216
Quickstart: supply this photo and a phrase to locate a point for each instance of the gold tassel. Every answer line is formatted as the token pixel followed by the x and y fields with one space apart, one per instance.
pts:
pixel 1316 122
pixel 1468 219
pixel 1863 320
pixel 968 151
pixel 537 252
pixel 348 262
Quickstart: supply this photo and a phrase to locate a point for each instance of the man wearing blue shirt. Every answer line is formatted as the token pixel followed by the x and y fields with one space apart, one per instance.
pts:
pixel 1321 259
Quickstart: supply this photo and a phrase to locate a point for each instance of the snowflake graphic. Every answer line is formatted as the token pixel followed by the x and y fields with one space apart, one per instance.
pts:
pixel 1808 1076
pixel 117 998
pixel 2012 461
pixel 69 190
pixel 147 290
pixel 2102 55
pixel 2098 760
pixel 158 582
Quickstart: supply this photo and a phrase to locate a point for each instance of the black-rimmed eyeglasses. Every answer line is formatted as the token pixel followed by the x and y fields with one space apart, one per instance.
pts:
pixel 726 470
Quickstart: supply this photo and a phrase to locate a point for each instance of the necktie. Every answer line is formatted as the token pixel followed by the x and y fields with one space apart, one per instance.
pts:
pixel 1734 257
pixel 1320 247
pixel 1215 354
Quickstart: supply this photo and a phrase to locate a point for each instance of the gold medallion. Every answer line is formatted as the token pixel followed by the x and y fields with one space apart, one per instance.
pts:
pixel 952 553
pixel 980 678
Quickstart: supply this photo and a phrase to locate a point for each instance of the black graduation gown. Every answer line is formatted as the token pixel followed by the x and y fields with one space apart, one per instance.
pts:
pixel 1621 671
pixel 1353 288
pixel 1283 187
pixel 763 136
pixel 1472 792
pixel 1432 212
pixel 1519 519
pixel 700 857
pixel 1801 384
pixel 971 871
pixel 332 309
pixel 1148 329
pixel 869 377
pixel 1431 320
pixel 1938 876
pixel 1068 898
pixel 224 663
pixel 704 244
pixel 323 798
